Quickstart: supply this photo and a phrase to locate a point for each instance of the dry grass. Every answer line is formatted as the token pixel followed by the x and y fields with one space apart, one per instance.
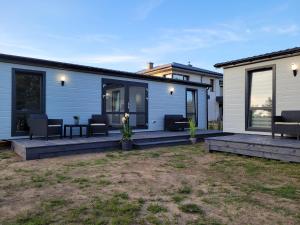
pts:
pixel 175 185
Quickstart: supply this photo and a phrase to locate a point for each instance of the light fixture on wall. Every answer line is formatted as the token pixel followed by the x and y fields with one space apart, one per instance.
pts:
pixel 62 80
pixel 295 69
pixel 171 90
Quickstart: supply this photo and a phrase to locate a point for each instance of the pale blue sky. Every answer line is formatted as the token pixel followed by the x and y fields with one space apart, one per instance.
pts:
pixel 127 34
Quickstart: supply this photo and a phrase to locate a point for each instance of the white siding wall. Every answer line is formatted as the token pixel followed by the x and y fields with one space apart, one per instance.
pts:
pixel 81 95
pixel 287 92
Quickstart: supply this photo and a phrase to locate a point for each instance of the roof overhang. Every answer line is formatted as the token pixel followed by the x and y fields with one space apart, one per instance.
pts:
pixel 260 58
pixel 89 69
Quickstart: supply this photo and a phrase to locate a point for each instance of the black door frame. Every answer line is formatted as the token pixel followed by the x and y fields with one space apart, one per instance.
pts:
pixel 196 103
pixel 13 97
pixel 127 85
pixel 248 77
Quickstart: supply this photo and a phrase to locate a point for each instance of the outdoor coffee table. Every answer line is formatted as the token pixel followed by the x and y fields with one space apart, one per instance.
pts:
pixel 71 126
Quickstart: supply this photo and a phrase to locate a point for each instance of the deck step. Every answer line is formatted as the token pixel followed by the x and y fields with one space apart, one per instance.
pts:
pixel 161 143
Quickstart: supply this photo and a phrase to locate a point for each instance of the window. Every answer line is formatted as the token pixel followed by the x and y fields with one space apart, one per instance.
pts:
pixel 28 97
pixel 259 106
pixel 176 76
pixel 192 105
pixel 212 83
pixel 170 76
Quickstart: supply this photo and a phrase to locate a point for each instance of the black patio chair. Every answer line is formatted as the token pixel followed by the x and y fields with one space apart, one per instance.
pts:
pixel 287 123
pixel 175 122
pixel 40 125
pixel 98 124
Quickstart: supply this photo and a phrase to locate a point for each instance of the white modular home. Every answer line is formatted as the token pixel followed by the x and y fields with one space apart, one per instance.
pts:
pixel 192 73
pixel 63 90
pixel 258 88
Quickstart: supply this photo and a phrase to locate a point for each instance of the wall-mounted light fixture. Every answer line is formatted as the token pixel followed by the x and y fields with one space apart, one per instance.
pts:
pixel 295 69
pixel 171 90
pixel 62 80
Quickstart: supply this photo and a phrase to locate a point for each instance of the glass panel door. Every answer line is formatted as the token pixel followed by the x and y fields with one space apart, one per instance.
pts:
pixel 260 99
pixel 137 106
pixel 114 103
pixel 122 97
pixel 28 98
pixel 191 105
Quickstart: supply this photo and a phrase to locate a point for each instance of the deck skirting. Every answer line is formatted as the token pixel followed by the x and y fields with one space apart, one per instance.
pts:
pixel 257 146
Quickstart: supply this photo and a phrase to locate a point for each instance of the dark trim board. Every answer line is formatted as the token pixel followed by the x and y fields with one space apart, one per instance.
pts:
pixel 39 148
pixel 262 146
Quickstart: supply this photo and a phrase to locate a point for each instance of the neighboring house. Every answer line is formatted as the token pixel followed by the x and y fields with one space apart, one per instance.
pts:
pixel 63 90
pixel 259 87
pixel 191 73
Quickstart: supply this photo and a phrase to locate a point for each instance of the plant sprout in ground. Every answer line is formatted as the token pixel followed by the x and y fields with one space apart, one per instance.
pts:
pixel 126 129
pixel 193 128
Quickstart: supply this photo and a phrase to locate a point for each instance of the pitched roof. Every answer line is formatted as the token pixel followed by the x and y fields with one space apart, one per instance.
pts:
pixel 89 69
pixel 184 67
pixel 266 56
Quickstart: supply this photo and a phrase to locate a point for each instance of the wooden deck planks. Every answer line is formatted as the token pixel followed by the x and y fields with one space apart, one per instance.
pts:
pixel 39 148
pixel 256 145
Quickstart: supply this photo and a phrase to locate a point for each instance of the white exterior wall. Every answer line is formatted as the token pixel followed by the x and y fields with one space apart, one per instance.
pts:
pixel 287 92
pixel 81 96
pixel 213 106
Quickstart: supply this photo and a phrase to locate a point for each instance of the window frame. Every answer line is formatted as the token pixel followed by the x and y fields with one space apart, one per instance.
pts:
pixel 248 73
pixel 185 77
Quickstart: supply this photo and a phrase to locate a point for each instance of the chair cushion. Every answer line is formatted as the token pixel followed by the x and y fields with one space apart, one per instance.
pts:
pixel 54 125
pixel 97 124
pixel 287 123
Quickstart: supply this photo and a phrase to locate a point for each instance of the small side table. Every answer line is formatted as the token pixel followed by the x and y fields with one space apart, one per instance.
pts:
pixel 71 126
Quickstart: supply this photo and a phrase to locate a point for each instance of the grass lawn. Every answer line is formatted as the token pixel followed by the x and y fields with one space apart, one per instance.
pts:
pixel 172 185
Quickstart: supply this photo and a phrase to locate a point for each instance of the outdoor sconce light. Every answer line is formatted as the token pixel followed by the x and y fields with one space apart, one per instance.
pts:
pixel 295 69
pixel 62 80
pixel 171 90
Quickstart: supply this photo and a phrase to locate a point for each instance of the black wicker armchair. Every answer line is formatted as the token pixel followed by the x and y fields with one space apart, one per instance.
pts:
pixel 98 124
pixel 175 122
pixel 40 125
pixel 287 123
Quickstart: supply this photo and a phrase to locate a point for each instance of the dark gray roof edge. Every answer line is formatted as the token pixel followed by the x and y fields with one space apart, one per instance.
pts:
pixel 6 58
pixel 289 51
pixel 185 67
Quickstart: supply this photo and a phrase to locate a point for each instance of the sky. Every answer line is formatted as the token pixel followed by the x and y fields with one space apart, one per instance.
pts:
pixel 125 35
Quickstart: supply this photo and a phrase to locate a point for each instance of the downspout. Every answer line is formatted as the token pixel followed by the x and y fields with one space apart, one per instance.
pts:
pixel 207 108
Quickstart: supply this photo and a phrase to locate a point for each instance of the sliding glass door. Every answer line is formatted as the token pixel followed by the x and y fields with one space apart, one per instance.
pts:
pixel 120 97
pixel 28 96
pixel 114 102
pixel 192 105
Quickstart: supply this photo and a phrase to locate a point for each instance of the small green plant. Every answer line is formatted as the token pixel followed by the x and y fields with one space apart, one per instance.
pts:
pixel 126 129
pixel 156 208
pixel 193 128
pixel 192 208
pixel 185 190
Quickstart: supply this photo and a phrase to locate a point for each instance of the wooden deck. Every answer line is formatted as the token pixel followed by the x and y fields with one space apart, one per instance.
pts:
pixel 285 149
pixel 39 148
